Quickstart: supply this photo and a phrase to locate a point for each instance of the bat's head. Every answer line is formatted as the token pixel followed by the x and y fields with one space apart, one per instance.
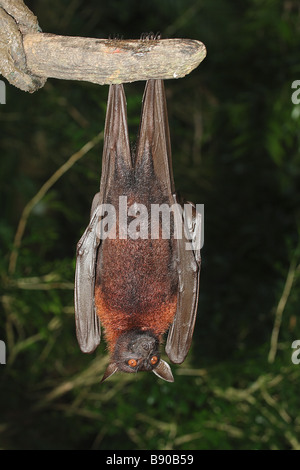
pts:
pixel 136 351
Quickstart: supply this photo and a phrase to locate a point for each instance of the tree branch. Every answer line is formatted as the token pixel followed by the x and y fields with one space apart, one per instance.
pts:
pixel 105 61
pixel 28 56
pixel 280 308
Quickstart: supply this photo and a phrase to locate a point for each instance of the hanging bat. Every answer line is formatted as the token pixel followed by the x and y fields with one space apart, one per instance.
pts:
pixel 137 288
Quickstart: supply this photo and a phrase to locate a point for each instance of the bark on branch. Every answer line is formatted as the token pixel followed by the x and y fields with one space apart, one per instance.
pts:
pixel 28 57
pixel 110 61
pixel 15 21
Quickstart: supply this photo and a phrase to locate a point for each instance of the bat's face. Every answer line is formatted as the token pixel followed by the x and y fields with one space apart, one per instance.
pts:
pixel 136 350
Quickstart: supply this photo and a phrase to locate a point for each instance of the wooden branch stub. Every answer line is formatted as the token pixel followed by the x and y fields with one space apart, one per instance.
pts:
pixel 105 61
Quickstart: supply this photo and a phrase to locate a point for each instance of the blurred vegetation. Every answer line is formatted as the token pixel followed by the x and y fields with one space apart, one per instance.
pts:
pixel 235 139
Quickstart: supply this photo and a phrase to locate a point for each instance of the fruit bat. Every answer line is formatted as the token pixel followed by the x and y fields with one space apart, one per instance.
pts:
pixel 137 287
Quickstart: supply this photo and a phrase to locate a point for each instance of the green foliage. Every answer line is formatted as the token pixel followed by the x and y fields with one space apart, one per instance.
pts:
pixel 235 140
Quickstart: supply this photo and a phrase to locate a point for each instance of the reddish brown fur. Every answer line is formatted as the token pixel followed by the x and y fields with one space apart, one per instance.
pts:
pixel 137 289
pixel 115 322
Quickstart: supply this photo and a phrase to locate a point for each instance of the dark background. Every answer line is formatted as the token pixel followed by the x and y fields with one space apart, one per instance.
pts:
pixel 235 141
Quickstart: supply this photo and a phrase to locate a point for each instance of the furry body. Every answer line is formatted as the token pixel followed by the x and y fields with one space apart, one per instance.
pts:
pixel 136 283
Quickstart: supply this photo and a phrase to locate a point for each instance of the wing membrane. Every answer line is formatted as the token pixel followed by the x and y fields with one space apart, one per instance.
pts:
pixel 87 322
pixel 188 265
pixel 154 135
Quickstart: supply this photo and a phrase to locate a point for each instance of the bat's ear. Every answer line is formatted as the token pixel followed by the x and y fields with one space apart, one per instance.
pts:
pixel 163 371
pixel 110 370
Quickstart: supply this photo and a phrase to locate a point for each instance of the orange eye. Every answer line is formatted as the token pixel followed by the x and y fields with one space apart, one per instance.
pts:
pixel 132 363
pixel 154 360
